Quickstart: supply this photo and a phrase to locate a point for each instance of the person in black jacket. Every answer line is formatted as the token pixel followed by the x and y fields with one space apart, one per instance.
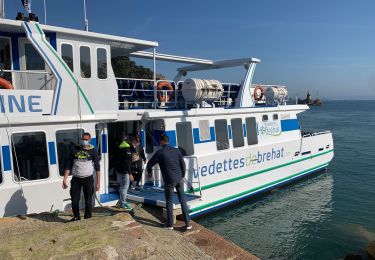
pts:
pixel 83 162
pixel 123 170
pixel 172 166
pixel 138 155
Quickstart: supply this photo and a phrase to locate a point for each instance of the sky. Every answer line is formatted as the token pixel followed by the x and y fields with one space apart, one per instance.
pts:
pixel 322 46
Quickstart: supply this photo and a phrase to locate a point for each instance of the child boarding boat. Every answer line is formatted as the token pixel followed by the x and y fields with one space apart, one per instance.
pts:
pixel 237 139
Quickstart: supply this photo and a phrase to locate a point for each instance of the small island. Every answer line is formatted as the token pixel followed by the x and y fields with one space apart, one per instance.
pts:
pixel 309 101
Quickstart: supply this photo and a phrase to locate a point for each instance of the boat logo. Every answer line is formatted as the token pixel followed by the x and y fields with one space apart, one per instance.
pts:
pixel 269 128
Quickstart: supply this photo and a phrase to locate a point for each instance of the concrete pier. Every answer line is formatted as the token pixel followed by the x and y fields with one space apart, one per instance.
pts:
pixel 111 236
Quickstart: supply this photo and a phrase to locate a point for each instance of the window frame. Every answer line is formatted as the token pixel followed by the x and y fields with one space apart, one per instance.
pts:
pixel 227 135
pixel 233 133
pixel 12 148
pixel 61 54
pixel 56 151
pixel 97 64
pixel 80 64
pixel 191 134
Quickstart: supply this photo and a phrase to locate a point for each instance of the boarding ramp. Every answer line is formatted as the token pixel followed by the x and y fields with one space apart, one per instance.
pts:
pixel 153 192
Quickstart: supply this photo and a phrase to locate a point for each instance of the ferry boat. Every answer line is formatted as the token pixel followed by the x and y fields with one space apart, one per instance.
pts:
pixel 238 139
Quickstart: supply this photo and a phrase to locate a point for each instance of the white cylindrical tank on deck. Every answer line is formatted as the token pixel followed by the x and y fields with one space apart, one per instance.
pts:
pixel 198 90
pixel 276 93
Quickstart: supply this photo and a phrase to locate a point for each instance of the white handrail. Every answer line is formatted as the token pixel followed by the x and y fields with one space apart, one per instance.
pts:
pixel 199 180
pixel 150 80
pixel 27 71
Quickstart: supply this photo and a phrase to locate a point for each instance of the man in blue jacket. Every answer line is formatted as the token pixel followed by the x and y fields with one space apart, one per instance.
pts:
pixel 172 166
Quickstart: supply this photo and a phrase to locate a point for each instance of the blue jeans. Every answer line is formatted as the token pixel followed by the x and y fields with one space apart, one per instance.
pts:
pixel 123 180
pixel 168 191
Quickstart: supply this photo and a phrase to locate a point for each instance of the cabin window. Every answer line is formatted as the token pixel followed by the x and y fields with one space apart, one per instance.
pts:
pixel 67 55
pixel 154 129
pixel 5 60
pixel 237 132
pixel 101 55
pixel 33 59
pixel 204 130
pixel 251 130
pixel 265 118
pixel 185 138
pixel 30 158
pixel 275 117
pixel 85 62
pixel 66 140
pixel 221 131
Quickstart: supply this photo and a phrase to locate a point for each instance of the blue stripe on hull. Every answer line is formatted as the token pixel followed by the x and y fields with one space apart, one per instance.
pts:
pixel 289 125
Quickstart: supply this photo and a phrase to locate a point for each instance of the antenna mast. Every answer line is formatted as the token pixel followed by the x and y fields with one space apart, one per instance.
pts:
pixel 2 9
pixel 45 12
pixel 86 21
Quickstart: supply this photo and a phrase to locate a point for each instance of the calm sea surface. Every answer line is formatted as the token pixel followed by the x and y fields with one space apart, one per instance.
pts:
pixel 322 217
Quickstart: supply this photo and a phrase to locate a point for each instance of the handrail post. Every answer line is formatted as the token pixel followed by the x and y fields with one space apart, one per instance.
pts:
pixel 154 76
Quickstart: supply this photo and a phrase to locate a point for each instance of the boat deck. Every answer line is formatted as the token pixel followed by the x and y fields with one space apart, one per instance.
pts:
pixel 149 195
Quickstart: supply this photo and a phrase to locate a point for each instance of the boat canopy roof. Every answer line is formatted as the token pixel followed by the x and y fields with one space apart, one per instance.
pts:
pixel 118 42
pixel 220 64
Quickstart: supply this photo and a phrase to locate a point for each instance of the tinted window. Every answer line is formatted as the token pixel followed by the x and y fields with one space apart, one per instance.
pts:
pixel 5 60
pixel 185 138
pixel 251 131
pixel 67 55
pixel 66 140
pixel 30 159
pixel 1 171
pixel 149 138
pixel 275 117
pixel 237 132
pixel 101 55
pixel 85 62
pixel 221 131
pixel 265 118
pixel 33 59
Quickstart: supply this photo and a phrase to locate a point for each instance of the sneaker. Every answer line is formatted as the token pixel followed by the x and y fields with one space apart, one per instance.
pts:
pixel 126 206
pixel 168 227
pixel 75 219
pixel 189 227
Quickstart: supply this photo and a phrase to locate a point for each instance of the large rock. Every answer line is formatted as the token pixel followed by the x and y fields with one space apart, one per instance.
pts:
pixel 371 249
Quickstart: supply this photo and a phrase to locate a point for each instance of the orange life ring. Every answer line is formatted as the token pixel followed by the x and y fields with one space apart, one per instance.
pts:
pixel 258 93
pixel 166 86
pixel 4 84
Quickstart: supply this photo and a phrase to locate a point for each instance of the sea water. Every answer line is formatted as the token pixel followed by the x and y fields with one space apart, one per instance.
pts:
pixel 325 216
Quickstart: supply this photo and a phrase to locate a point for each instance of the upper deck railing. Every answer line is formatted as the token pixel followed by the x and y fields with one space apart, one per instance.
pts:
pixel 147 93
pixel 135 93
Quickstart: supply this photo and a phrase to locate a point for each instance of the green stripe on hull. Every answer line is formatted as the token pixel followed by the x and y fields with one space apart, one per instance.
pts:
pixel 66 68
pixel 255 189
pixel 212 185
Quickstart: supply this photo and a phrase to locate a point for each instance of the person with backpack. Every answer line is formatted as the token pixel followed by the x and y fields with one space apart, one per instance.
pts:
pixel 138 156
pixel 123 169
